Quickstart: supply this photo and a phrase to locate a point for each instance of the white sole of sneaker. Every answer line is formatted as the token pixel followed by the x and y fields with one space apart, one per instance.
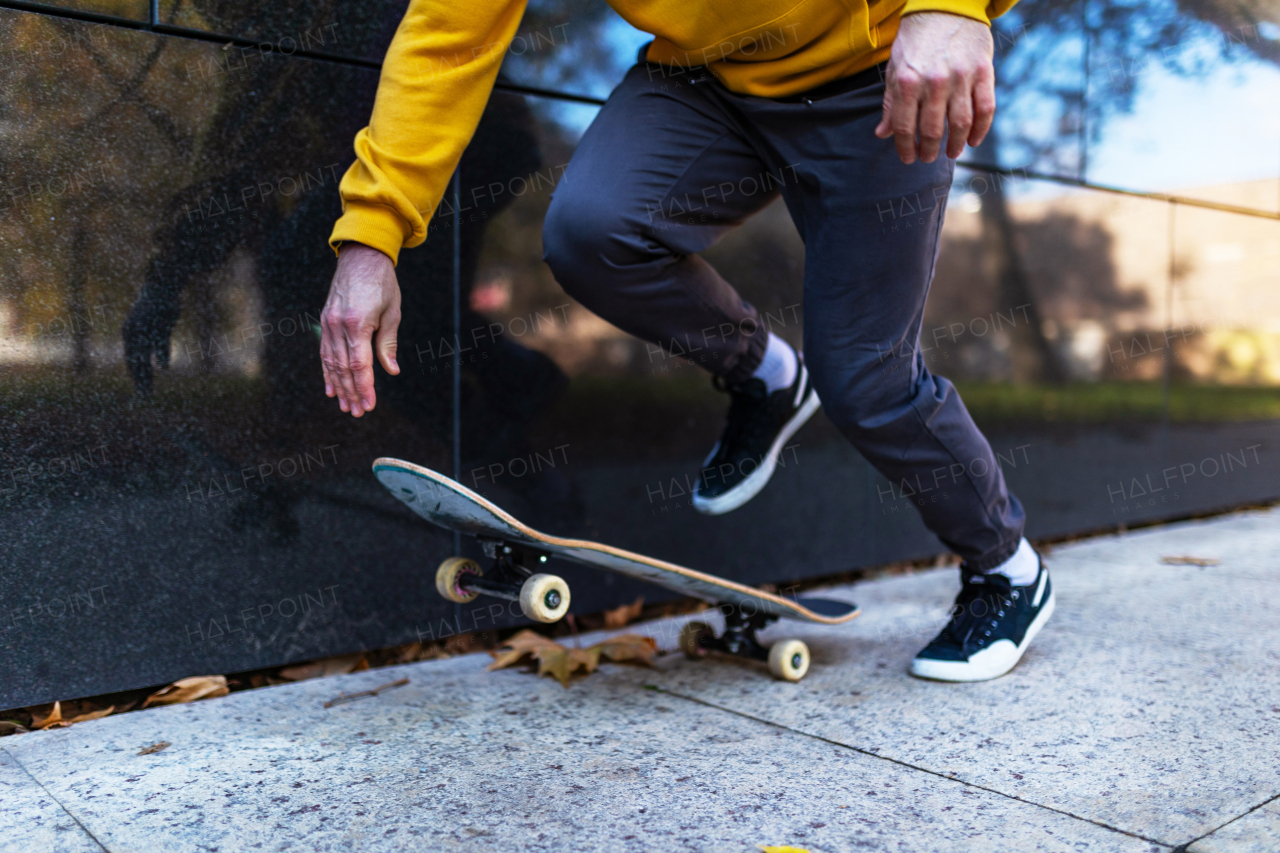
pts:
pixel 988 663
pixel 759 478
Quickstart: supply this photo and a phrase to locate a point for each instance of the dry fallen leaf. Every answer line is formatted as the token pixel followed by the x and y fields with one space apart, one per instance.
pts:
pixel 340 665
pixel 10 727
pixel 155 747
pixel 518 646
pixel 629 647
pixel 92 715
pixel 51 716
pixel 561 663
pixel 620 616
pixel 409 653
pixel 1189 561
pixel 47 719
pixel 189 690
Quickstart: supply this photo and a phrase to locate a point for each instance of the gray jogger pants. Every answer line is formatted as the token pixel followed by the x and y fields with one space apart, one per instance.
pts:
pixel 674 160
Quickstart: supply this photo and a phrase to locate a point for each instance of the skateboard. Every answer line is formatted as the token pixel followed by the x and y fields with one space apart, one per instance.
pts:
pixel 517 551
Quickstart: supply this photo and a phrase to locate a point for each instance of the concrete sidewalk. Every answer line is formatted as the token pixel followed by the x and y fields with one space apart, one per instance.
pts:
pixel 1146 717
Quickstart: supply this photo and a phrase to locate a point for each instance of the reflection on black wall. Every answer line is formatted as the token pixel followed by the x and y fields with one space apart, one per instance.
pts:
pixel 175 474
pixel 179 495
pixel 356 30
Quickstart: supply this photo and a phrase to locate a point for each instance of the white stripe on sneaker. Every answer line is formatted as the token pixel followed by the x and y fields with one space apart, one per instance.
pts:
pixel 803 384
pixel 759 478
pixel 1044 579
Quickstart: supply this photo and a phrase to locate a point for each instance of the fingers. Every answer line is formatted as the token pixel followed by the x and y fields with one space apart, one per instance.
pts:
pixel 359 356
pixel 906 109
pixel 387 341
pixel 933 115
pixel 959 121
pixel 984 105
pixel 330 337
pixel 348 399
pixel 338 363
pixel 327 363
pixel 884 128
pixel 923 110
pixel 940 83
pixel 364 298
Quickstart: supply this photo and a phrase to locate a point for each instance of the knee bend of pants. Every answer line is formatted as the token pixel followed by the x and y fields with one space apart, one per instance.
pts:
pixel 587 240
pixel 858 394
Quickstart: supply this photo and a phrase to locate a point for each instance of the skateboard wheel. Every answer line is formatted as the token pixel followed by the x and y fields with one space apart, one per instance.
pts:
pixel 544 598
pixel 692 637
pixel 789 660
pixel 451 571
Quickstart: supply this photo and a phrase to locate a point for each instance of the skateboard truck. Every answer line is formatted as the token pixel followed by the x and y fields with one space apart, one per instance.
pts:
pixel 542 597
pixel 788 659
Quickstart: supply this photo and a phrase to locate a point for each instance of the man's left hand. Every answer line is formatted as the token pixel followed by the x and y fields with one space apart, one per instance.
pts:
pixel 940 78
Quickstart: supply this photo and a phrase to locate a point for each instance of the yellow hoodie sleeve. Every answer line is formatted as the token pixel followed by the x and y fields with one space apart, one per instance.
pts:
pixel 979 10
pixel 436 80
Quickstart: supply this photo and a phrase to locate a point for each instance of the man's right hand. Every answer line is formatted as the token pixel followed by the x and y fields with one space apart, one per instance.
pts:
pixel 364 298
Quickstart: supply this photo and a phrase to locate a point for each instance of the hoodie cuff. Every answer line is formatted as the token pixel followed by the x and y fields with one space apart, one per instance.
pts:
pixel 976 9
pixel 374 225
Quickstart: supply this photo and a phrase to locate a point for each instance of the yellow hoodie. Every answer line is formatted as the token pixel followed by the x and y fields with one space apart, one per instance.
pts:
pixel 445 56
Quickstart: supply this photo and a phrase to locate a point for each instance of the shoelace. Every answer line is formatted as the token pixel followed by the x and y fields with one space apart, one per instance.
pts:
pixel 982 601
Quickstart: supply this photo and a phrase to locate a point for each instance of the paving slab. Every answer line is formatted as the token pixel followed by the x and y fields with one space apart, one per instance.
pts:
pixel 461 759
pixel 1256 832
pixel 1150 702
pixel 31 821
pixel 1145 716
pixel 1244 544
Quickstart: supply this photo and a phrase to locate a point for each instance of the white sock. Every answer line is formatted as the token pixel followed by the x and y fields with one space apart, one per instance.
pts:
pixel 1022 568
pixel 778 367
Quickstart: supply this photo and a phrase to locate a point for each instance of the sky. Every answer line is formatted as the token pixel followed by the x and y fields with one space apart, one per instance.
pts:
pixel 1188 132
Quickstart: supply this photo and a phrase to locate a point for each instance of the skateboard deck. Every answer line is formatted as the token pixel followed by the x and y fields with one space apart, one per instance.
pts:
pixel 451 505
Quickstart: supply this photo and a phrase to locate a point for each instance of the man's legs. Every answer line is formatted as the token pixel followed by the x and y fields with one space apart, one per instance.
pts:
pixel 871 227
pixel 652 183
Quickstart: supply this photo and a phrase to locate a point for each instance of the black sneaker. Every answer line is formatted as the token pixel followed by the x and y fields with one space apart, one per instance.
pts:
pixel 759 425
pixel 992 624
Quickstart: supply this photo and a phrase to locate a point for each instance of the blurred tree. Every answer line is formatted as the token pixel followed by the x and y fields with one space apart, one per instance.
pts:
pixel 1070 259
pixel 565 45
pixel 68 189
pixel 1063 68
pixel 1253 25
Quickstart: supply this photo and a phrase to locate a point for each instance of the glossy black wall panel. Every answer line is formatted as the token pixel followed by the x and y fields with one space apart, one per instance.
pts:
pixel 578 46
pixel 357 30
pixel 152 213
pixel 178 495
pixel 135 10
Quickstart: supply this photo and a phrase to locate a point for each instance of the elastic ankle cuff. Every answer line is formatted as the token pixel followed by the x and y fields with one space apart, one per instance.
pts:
pixel 991 559
pixel 747 363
